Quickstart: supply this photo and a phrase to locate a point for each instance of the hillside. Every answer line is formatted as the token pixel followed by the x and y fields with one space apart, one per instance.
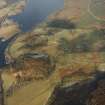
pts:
pixel 85 13
pixel 74 41
pixel 7 26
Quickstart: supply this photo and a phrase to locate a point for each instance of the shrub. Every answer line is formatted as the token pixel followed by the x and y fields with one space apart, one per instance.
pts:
pixel 66 24
pixel 64 45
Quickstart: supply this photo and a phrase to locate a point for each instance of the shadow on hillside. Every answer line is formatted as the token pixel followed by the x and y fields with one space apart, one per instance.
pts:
pixel 91 42
pixel 65 24
pixel 79 93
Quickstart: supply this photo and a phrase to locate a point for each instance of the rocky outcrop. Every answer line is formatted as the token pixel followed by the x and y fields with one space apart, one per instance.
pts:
pixel 98 96
pixel 88 92
pixel 35 65
pixel 1 91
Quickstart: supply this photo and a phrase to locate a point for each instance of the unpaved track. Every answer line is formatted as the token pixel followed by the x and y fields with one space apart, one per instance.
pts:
pixel 92 14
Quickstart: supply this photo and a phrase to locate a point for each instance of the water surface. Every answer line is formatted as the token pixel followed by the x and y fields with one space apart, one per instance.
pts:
pixel 36 11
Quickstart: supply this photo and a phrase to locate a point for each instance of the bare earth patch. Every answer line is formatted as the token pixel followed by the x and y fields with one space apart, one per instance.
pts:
pixel 8 30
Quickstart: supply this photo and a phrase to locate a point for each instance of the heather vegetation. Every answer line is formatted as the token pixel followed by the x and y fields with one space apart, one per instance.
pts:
pixel 59 59
pixel 64 24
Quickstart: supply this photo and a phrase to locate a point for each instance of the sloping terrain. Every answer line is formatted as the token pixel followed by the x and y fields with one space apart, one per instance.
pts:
pixel 83 12
pixel 88 92
pixel 74 38
pixel 32 94
pixel 7 26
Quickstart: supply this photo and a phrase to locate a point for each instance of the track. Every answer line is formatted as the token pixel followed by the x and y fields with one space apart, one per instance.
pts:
pixel 92 14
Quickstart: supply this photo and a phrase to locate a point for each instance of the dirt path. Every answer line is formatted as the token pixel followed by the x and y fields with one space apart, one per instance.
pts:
pixel 92 14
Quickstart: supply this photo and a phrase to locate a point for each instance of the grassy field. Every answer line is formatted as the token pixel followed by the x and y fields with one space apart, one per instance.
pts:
pixel 97 7
pixel 8 80
pixel 38 92
pixel 35 93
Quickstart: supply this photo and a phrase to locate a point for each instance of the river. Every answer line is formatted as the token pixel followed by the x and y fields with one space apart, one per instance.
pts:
pixel 35 12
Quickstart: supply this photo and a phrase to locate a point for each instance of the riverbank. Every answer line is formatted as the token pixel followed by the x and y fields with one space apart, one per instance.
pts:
pixel 12 9
pixel 7 26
